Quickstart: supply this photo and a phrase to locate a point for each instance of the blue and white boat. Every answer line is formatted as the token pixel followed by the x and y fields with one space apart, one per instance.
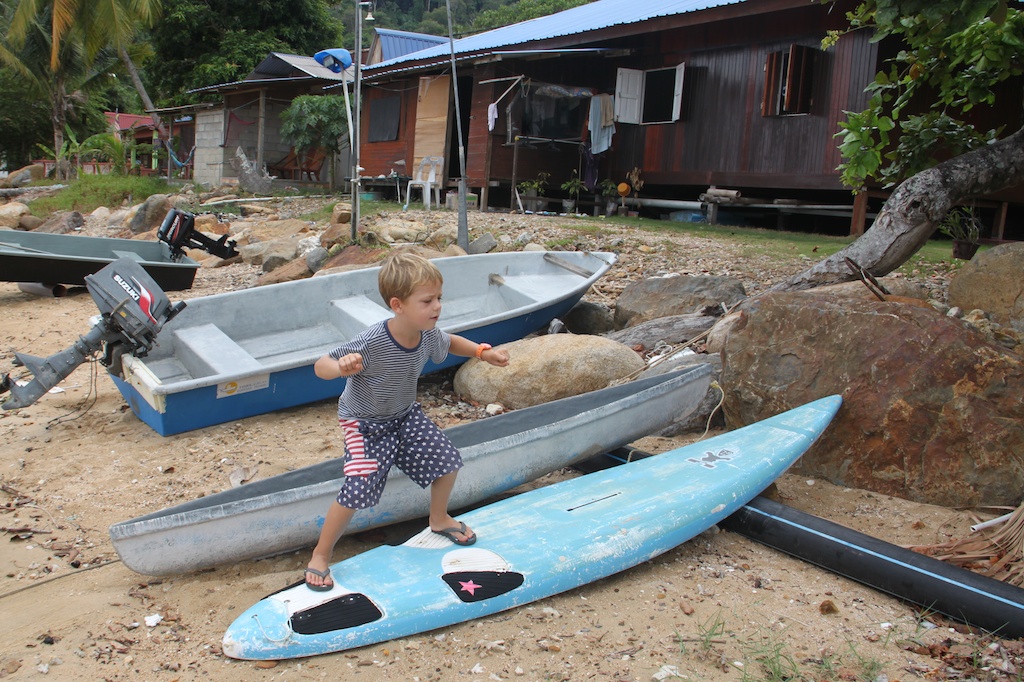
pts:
pixel 234 355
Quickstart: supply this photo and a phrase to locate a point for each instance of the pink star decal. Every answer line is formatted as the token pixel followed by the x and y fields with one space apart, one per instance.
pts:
pixel 469 586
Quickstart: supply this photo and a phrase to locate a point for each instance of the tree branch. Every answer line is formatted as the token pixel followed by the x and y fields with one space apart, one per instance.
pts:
pixel 909 217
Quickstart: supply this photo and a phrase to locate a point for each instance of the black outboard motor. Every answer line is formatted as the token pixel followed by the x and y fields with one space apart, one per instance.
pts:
pixel 178 231
pixel 133 309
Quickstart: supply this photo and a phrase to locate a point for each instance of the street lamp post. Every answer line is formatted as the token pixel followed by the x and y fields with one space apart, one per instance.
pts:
pixel 356 169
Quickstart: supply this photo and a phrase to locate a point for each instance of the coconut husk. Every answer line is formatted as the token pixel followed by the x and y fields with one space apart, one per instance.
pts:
pixel 996 552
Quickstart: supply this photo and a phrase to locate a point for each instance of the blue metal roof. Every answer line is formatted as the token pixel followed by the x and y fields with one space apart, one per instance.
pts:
pixel 394 44
pixel 585 18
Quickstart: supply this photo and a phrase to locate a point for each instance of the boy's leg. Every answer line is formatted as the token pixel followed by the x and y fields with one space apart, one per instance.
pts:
pixel 337 520
pixel 440 493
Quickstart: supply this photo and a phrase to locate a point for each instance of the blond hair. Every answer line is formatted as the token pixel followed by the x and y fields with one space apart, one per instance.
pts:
pixel 402 271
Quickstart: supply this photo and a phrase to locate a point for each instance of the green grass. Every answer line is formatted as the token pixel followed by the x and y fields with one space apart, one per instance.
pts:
pixel 89 192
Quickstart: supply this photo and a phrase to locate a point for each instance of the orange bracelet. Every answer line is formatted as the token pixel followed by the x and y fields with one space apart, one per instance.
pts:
pixel 480 350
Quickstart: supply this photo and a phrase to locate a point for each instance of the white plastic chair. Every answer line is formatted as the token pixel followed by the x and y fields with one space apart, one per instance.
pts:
pixel 426 179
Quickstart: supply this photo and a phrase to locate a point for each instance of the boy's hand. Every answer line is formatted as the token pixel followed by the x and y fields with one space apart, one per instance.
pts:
pixel 495 356
pixel 350 364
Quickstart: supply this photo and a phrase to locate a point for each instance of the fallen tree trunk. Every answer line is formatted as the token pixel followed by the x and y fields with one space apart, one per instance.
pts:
pixel 8 192
pixel 909 218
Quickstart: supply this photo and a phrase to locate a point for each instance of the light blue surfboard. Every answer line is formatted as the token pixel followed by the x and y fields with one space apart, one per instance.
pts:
pixel 532 545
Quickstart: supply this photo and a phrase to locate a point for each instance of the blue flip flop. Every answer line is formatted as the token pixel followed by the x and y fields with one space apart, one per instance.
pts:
pixel 450 534
pixel 325 574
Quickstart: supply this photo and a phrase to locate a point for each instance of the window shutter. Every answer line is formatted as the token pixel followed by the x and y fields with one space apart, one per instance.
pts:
pixel 677 97
pixel 798 80
pixel 772 84
pixel 628 93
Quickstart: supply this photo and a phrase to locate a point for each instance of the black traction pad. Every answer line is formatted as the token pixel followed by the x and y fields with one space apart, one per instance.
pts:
pixel 472 586
pixel 348 611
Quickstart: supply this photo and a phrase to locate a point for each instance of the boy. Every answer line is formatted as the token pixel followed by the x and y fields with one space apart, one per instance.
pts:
pixel 382 423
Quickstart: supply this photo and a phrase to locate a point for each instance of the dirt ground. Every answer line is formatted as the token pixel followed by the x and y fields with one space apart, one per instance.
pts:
pixel 720 607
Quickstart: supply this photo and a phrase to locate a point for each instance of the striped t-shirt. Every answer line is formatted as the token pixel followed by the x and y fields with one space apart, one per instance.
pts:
pixel 386 388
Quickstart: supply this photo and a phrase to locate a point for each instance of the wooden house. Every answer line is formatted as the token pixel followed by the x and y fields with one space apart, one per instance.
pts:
pixel 689 95
pixel 249 117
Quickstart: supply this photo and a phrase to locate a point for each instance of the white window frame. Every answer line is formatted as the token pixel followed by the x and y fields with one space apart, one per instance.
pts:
pixel 631 88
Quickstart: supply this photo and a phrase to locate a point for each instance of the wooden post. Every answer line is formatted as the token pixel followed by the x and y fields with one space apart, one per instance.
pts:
pixel 999 229
pixel 860 212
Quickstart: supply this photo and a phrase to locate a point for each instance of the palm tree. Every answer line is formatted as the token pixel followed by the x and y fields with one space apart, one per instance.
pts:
pixel 94 25
pixel 31 56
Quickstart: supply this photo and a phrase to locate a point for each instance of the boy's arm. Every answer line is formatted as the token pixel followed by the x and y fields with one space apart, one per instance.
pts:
pixel 463 347
pixel 329 368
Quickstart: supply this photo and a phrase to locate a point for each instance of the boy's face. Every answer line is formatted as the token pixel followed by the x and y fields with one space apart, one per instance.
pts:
pixel 423 306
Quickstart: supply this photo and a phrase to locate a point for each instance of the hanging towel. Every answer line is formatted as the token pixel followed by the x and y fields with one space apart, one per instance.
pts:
pixel 607 110
pixel 492 115
pixel 600 134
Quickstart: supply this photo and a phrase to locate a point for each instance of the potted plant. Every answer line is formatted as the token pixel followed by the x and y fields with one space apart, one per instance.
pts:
pixel 964 228
pixel 635 184
pixel 573 186
pixel 534 188
pixel 610 191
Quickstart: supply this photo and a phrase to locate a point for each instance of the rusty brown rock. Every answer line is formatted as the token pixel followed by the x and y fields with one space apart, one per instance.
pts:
pixel 292 270
pixel 932 412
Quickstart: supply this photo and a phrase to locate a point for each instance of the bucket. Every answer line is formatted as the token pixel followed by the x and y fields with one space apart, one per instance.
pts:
pixel 370 196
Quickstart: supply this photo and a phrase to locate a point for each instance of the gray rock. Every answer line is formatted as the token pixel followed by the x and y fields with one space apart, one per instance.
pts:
pixel 483 244
pixel 150 214
pixel 676 295
pixel 63 222
pixel 993 281
pixel 587 317
pixel 316 258
pixel 670 330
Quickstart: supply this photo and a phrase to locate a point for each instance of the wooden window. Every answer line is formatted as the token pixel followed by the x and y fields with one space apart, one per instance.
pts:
pixel 385 115
pixel 788 81
pixel 653 96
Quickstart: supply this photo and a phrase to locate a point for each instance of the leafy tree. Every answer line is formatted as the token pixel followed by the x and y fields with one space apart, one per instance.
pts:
pixel 316 121
pixel 69 47
pixel 205 42
pixel 24 120
pixel 67 87
pixel 956 54
pixel 522 11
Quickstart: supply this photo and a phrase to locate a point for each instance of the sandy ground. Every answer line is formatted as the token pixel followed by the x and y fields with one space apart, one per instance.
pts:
pixel 720 607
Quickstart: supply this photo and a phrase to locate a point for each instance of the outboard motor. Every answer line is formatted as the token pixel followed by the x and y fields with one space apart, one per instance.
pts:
pixel 178 230
pixel 133 309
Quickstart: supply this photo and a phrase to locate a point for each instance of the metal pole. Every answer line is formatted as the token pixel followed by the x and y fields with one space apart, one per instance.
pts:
pixel 356 170
pixel 463 234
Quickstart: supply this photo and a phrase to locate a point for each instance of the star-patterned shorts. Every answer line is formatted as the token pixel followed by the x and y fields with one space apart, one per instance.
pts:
pixel 413 443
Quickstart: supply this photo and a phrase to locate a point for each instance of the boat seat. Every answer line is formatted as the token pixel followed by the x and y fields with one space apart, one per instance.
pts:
pixel 354 314
pixel 129 254
pixel 205 350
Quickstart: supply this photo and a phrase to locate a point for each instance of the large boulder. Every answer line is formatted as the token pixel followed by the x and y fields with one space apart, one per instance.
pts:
pixel 11 213
pixel 25 175
pixel 150 213
pixel 993 281
pixel 674 295
pixel 546 368
pixel 932 411
pixel 62 222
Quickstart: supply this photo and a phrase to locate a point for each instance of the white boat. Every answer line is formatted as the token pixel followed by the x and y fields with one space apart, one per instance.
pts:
pixel 285 512
pixel 238 354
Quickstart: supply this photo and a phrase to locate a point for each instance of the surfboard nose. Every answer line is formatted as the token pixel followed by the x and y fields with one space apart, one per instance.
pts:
pixel 263 632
